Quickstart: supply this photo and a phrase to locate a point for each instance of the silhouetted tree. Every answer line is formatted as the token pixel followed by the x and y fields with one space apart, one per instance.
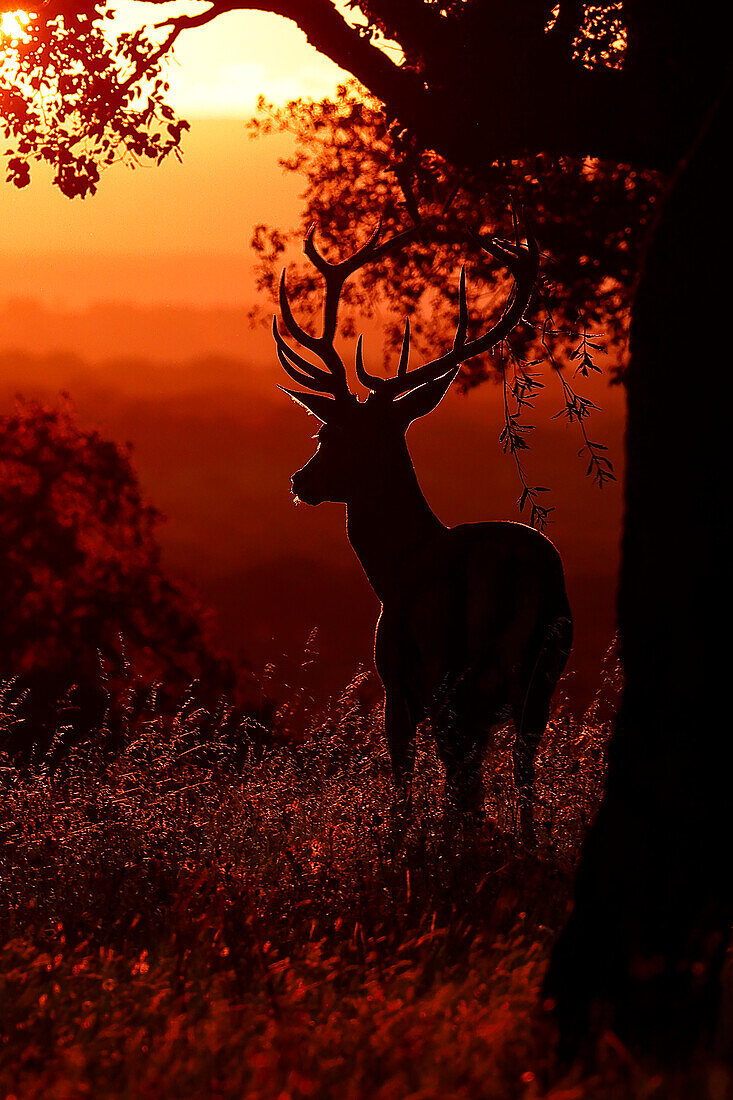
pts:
pixel 482 83
pixel 84 597
pixel 653 904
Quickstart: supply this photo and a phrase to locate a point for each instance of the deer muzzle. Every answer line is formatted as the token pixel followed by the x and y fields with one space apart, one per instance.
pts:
pixel 299 483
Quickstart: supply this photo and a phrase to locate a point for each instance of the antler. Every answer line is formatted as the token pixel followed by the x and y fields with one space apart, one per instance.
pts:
pixel 332 380
pixel 523 261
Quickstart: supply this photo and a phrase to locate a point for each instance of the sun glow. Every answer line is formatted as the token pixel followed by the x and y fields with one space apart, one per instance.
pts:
pixel 13 24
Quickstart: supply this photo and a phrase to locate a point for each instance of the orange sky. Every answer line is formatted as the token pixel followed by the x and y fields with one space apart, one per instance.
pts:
pixel 220 69
pixel 226 184
pixel 166 234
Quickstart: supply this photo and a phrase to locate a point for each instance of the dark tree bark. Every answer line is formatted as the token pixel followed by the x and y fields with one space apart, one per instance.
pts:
pixel 645 942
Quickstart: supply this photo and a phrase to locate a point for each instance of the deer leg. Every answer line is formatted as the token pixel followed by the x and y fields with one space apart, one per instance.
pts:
pixel 399 729
pixel 530 722
pixel 531 716
pixel 461 745
pixel 464 787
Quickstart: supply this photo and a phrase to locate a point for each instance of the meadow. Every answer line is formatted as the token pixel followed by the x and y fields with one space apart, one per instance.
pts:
pixel 188 915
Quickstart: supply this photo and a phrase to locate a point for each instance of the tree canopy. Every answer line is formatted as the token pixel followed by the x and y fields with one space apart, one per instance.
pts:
pixel 445 118
pixel 589 218
pixel 620 81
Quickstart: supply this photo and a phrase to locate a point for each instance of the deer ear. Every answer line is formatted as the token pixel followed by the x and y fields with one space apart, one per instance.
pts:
pixel 315 403
pixel 425 398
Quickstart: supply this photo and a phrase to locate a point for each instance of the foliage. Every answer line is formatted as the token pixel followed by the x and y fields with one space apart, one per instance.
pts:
pixel 84 589
pixel 77 98
pixel 589 218
pixel 174 925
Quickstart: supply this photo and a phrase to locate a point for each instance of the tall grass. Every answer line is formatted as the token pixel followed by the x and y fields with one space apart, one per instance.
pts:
pixel 184 918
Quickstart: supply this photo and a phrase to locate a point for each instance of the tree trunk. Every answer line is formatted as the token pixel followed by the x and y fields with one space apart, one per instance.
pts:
pixel 643 948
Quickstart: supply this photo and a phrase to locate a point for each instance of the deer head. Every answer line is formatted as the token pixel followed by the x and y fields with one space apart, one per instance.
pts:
pixel 360 441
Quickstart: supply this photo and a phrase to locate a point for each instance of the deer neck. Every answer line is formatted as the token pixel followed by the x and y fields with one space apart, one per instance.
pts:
pixel 388 522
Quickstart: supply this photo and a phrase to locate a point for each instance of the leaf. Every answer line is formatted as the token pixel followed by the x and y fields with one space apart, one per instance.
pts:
pixel 19 172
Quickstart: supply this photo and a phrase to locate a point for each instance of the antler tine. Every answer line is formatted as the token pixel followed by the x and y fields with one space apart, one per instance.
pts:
pixel 313 343
pixel 371 250
pixel 518 257
pixel 405 352
pixel 343 268
pixel 322 346
pixel 333 379
pixel 300 369
pixel 371 381
pixel 301 379
pixel 336 274
pixel 522 260
pixel 462 329
pixel 311 251
pixel 429 372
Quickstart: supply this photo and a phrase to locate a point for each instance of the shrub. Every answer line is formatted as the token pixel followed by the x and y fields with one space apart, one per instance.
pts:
pixel 85 597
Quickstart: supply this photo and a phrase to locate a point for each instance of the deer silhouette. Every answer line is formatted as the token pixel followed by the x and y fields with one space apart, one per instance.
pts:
pixel 475 625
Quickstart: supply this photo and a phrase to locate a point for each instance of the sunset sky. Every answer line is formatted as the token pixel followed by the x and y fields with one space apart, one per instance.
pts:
pixel 226 184
pixel 135 300
pixel 220 69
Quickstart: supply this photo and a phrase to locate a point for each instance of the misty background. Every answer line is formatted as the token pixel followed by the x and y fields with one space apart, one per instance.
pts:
pixel 136 303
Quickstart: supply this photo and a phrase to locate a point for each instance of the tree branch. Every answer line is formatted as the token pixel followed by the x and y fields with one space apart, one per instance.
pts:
pixel 329 33
pixel 494 85
pixel 545 106
pixel 412 23
pixel 177 24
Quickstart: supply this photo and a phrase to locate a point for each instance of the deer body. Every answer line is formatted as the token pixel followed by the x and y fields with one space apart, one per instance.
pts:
pixel 470 644
pixel 475 626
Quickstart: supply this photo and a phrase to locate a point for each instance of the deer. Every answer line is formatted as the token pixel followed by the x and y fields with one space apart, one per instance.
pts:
pixel 475 625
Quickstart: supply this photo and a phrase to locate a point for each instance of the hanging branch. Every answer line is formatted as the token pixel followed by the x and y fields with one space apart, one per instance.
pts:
pixel 513 439
pixel 577 409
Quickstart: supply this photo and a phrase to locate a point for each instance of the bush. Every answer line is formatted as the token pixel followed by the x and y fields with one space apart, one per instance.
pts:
pixel 85 596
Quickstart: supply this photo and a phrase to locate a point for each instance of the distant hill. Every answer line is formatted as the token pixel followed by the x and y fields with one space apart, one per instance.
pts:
pixel 215 444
